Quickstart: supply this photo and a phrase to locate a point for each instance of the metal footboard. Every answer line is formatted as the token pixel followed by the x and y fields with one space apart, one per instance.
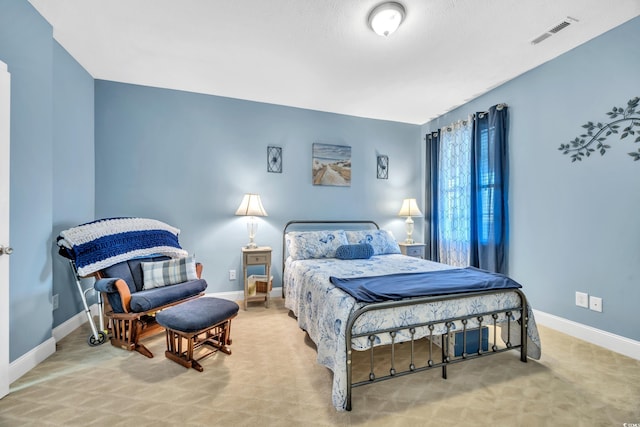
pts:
pixel 489 319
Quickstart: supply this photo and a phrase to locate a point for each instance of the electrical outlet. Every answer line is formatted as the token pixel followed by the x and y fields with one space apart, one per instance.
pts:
pixel 232 275
pixel 54 301
pixel 595 304
pixel 582 299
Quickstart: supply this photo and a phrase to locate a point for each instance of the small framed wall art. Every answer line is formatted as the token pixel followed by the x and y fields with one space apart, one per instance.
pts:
pixel 383 167
pixel 331 165
pixel 274 159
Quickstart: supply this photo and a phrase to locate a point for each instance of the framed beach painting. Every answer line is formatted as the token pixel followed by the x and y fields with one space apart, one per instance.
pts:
pixel 331 165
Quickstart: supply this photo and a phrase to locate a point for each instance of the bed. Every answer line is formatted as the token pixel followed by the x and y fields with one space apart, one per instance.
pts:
pixel 332 317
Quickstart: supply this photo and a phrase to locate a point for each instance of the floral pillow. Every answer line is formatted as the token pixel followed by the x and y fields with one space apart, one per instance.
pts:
pixel 382 241
pixel 314 244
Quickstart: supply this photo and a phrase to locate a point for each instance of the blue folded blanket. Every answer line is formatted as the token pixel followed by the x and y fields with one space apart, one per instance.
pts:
pixel 106 242
pixel 408 285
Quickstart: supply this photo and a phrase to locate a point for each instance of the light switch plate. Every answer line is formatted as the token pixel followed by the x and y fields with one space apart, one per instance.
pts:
pixel 582 299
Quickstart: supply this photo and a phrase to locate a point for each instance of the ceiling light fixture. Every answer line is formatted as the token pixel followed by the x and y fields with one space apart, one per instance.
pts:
pixel 385 18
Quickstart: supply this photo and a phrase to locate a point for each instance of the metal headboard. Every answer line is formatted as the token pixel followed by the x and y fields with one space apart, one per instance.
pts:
pixel 315 225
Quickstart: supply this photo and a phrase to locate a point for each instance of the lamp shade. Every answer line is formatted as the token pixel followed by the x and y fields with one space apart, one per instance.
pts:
pixel 409 208
pixel 385 18
pixel 251 206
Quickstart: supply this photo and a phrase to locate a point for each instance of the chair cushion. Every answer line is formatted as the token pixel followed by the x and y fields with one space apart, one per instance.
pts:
pixel 152 298
pixel 197 315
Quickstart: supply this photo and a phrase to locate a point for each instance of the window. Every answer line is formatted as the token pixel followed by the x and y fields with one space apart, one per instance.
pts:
pixel 467 189
pixel 454 194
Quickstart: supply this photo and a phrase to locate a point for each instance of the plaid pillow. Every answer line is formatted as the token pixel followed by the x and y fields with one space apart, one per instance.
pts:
pixel 170 272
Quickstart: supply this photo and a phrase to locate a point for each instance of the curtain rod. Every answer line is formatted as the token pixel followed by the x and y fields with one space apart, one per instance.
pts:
pixel 499 107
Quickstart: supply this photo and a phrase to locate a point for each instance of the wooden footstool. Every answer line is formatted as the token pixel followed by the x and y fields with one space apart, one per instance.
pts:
pixel 203 321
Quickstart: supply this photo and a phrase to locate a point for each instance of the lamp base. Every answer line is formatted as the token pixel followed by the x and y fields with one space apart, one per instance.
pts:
pixel 409 227
pixel 252 227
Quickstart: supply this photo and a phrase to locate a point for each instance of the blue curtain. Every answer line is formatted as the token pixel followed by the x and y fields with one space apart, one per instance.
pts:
pixel 490 190
pixel 431 196
pixel 467 192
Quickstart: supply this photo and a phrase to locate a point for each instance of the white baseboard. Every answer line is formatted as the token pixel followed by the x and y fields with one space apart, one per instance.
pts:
pixel 239 295
pixel 30 360
pixel 613 342
pixel 74 323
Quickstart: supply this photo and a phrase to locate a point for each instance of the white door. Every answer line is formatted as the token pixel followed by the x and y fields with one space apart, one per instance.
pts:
pixel 5 101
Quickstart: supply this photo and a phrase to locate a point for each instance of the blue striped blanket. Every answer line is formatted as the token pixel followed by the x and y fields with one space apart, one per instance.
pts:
pixel 106 242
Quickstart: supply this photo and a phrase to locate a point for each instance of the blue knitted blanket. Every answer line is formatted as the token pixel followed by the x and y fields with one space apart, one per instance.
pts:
pixel 106 242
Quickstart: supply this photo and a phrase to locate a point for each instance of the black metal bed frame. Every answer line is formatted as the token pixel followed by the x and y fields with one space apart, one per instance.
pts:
pixel 446 359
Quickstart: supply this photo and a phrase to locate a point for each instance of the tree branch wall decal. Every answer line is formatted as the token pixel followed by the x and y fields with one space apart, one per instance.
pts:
pixel 582 146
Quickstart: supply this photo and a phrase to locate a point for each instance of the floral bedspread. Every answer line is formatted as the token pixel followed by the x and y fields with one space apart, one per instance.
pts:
pixel 322 309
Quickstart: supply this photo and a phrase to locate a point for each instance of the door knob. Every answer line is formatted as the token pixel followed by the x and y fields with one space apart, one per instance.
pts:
pixel 6 250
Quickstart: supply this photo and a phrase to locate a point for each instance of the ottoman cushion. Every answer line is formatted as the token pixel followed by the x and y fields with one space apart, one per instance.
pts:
pixel 196 315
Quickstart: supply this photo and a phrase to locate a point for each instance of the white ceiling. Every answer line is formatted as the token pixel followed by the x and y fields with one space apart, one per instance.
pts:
pixel 321 54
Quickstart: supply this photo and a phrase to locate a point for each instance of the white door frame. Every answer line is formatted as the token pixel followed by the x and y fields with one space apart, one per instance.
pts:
pixel 5 136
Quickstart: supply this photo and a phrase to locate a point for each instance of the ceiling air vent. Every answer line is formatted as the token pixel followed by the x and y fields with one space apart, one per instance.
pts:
pixel 541 38
pixel 561 26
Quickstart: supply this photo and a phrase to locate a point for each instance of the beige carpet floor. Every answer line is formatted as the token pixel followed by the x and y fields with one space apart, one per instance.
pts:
pixel 272 379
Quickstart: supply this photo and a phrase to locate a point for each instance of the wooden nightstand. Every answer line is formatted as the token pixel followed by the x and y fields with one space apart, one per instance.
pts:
pixel 412 249
pixel 258 256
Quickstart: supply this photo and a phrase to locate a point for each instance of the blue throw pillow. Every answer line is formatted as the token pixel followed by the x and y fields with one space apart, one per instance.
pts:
pixel 359 251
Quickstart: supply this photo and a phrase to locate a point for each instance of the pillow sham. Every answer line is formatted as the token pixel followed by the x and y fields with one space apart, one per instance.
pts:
pixel 357 251
pixel 382 241
pixel 170 272
pixel 314 244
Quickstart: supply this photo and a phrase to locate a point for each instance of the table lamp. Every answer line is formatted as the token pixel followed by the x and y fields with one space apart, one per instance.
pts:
pixel 409 208
pixel 251 206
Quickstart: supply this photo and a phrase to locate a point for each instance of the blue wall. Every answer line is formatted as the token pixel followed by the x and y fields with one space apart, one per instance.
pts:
pixel 46 87
pixel 26 46
pixel 187 159
pixel 574 227
pixel 73 170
